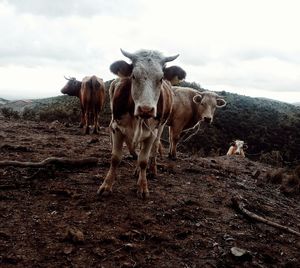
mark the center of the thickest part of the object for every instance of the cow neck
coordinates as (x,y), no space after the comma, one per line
(195,117)
(77,87)
(164,104)
(122,99)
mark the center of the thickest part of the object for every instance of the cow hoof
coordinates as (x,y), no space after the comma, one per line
(136,172)
(152,175)
(134,155)
(171,157)
(104,190)
(142,194)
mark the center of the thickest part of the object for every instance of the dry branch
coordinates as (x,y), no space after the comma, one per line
(52,161)
(240,206)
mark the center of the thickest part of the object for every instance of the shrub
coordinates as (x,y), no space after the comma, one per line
(30,114)
(9,113)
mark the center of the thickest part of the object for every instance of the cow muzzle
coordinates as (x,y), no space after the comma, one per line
(207,120)
(145,112)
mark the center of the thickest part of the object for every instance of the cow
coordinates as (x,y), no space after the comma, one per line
(91,92)
(190,107)
(237,148)
(141,101)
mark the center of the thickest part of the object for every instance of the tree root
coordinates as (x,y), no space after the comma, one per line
(240,206)
(52,161)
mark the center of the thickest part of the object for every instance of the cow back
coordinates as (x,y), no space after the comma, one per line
(92,93)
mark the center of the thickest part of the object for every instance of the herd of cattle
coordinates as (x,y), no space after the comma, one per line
(143,100)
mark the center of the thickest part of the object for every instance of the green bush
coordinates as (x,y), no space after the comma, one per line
(30,114)
(9,113)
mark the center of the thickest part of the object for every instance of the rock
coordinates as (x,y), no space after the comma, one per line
(255,174)
(93,140)
(238,252)
(129,246)
(241,253)
(55,124)
(68,249)
(127,265)
(74,235)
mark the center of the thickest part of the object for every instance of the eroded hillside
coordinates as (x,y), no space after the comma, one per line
(52,217)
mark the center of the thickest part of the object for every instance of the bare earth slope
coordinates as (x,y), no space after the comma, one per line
(51,217)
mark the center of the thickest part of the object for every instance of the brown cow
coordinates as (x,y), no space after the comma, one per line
(91,92)
(189,108)
(141,103)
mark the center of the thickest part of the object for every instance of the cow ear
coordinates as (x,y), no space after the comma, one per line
(221,103)
(121,68)
(174,74)
(197,98)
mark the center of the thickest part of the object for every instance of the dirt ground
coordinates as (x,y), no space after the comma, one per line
(52,217)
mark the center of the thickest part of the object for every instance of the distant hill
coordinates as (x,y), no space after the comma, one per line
(19,105)
(296,103)
(3,101)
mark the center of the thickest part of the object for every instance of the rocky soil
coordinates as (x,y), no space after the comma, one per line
(52,217)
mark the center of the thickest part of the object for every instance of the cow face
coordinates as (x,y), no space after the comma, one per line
(147,73)
(72,88)
(239,146)
(207,103)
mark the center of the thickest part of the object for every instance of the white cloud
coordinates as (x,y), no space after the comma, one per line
(250,46)
(86,8)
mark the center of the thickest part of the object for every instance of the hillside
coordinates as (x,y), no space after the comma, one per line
(270,128)
(51,216)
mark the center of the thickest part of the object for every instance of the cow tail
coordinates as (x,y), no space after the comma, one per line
(96,94)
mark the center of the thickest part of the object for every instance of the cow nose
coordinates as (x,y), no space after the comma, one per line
(145,111)
(207,119)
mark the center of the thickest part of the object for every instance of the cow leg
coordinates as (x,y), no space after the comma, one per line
(87,123)
(96,118)
(174,136)
(154,151)
(82,118)
(117,144)
(143,159)
(131,148)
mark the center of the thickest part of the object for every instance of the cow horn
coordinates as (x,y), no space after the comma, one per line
(171,58)
(127,54)
(67,78)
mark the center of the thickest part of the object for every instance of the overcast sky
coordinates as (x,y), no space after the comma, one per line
(246,47)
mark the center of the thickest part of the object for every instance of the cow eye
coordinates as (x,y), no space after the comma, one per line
(133,77)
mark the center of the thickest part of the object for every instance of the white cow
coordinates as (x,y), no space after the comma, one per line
(237,148)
